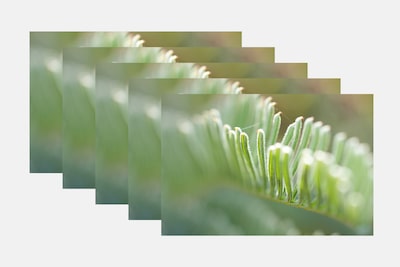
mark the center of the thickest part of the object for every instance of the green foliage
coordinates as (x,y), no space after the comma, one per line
(303,169)
(299,180)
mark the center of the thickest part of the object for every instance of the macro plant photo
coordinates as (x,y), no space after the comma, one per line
(46,84)
(244,165)
(207,136)
(144,177)
(111,157)
(78,83)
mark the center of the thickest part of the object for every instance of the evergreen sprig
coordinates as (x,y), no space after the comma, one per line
(302,169)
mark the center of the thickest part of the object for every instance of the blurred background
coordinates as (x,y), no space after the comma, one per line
(200,197)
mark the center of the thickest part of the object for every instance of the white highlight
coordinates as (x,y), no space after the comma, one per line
(87,80)
(53,64)
(153,112)
(185,127)
(120,96)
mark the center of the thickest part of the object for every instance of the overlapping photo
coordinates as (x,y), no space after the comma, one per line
(207,136)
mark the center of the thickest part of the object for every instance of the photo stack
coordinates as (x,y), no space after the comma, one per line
(201,133)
